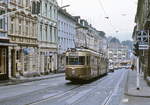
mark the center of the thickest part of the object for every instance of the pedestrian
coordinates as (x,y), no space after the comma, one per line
(132,67)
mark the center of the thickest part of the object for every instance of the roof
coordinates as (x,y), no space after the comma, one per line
(64,12)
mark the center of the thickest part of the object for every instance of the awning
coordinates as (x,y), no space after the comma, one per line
(7,44)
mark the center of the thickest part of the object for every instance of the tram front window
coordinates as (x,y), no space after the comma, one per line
(75,60)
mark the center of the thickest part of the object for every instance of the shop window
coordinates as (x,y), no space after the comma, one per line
(3,63)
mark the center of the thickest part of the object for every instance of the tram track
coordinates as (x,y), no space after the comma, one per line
(112,93)
(55,96)
(65,93)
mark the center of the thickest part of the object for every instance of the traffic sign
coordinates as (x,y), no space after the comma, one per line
(143,47)
(142,37)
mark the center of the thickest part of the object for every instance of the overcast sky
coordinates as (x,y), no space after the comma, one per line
(121,15)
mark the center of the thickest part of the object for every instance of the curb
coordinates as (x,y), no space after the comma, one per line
(13,82)
(134,95)
(129,94)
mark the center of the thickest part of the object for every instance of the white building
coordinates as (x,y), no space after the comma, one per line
(117,55)
(66,34)
(4,42)
(47,36)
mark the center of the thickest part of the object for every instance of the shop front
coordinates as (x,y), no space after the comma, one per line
(3,63)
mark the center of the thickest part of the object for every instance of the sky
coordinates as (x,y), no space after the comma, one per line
(121,15)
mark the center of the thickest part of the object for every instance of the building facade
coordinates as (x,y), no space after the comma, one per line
(66,35)
(4,41)
(117,56)
(22,31)
(87,36)
(81,29)
(142,21)
(47,36)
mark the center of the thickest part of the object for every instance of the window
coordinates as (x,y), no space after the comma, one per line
(51,33)
(27,3)
(46,33)
(88,60)
(12,26)
(54,13)
(33,29)
(55,34)
(3,60)
(20,27)
(1,23)
(27,28)
(46,9)
(41,32)
(75,60)
(50,11)
(20,2)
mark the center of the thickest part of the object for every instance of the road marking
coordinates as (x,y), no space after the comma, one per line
(114,92)
(26,84)
(43,84)
(125,100)
(78,96)
(50,95)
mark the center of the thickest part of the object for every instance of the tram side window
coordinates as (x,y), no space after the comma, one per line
(82,60)
(67,60)
(88,60)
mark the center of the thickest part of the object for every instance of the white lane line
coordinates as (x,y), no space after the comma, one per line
(26,84)
(125,100)
(50,95)
(78,96)
(43,84)
(114,92)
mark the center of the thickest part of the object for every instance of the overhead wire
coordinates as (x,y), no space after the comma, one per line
(106,16)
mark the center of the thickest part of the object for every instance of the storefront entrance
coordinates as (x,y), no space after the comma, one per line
(3,63)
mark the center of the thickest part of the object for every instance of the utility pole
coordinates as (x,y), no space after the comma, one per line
(138,74)
(136,53)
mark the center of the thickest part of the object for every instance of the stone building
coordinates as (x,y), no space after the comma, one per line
(87,36)
(81,29)
(47,36)
(142,20)
(22,31)
(66,35)
(4,42)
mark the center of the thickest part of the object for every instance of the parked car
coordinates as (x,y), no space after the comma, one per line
(111,68)
(116,67)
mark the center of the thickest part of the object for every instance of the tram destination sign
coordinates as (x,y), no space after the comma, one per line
(73,54)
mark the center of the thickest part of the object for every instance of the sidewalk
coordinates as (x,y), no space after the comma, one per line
(131,86)
(14,81)
(132,96)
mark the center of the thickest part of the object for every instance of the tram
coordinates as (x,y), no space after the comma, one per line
(85,64)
